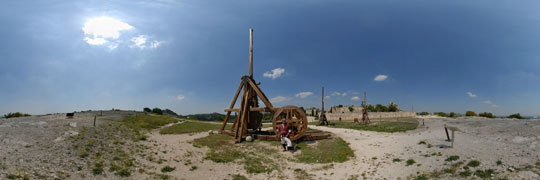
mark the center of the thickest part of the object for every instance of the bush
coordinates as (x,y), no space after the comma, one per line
(486,114)
(452,114)
(470,113)
(442,114)
(423,113)
(157,111)
(351,109)
(167,169)
(146,109)
(16,114)
(517,116)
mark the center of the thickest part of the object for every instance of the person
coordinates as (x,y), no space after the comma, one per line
(283,133)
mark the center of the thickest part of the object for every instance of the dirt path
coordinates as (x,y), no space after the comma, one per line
(478,140)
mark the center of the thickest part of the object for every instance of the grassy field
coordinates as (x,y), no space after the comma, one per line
(191,127)
(326,151)
(255,157)
(384,125)
(196,126)
(150,121)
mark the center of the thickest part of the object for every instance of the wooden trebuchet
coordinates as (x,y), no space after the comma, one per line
(365,116)
(249,113)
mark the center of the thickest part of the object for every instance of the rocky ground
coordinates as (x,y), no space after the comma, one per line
(56,147)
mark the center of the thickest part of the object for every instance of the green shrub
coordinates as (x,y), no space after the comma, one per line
(486,114)
(157,111)
(167,169)
(473,163)
(452,158)
(517,116)
(146,109)
(410,162)
(470,113)
(16,114)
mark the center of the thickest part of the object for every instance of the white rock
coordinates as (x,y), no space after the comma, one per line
(210,132)
(73,124)
(249,139)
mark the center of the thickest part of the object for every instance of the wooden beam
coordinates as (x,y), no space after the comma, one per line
(232,105)
(250,52)
(249,109)
(261,95)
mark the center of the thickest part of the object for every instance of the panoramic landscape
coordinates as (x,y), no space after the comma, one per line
(237,90)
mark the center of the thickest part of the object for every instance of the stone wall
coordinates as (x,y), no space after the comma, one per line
(372,115)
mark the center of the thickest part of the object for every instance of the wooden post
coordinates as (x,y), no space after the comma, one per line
(94,121)
(251,53)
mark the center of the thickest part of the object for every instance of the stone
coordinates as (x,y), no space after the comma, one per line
(249,139)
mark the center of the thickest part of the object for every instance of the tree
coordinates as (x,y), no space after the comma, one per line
(517,116)
(312,112)
(423,113)
(392,107)
(470,113)
(486,114)
(302,108)
(452,114)
(339,106)
(351,109)
(442,114)
(381,108)
(146,109)
(157,111)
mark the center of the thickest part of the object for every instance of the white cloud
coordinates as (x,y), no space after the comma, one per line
(113,46)
(355,98)
(335,93)
(155,44)
(344,94)
(99,29)
(139,42)
(327,97)
(180,98)
(304,94)
(275,73)
(471,94)
(380,77)
(95,41)
(278,99)
(487,102)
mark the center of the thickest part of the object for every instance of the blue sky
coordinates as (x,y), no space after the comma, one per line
(188,56)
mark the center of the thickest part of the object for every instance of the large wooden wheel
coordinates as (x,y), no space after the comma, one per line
(296,120)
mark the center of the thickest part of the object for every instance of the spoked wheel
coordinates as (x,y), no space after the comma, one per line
(296,120)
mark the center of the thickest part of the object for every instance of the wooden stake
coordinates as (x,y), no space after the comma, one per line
(94,121)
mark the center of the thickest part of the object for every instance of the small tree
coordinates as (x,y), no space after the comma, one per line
(146,109)
(517,116)
(392,107)
(470,113)
(452,114)
(312,112)
(486,114)
(423,113)
(157,111)
(351,109)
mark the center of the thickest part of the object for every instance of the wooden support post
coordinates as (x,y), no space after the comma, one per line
(447,136)
(95,121)
(251,53)
(232,105)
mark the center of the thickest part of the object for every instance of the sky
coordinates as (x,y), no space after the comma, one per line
(189,56)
